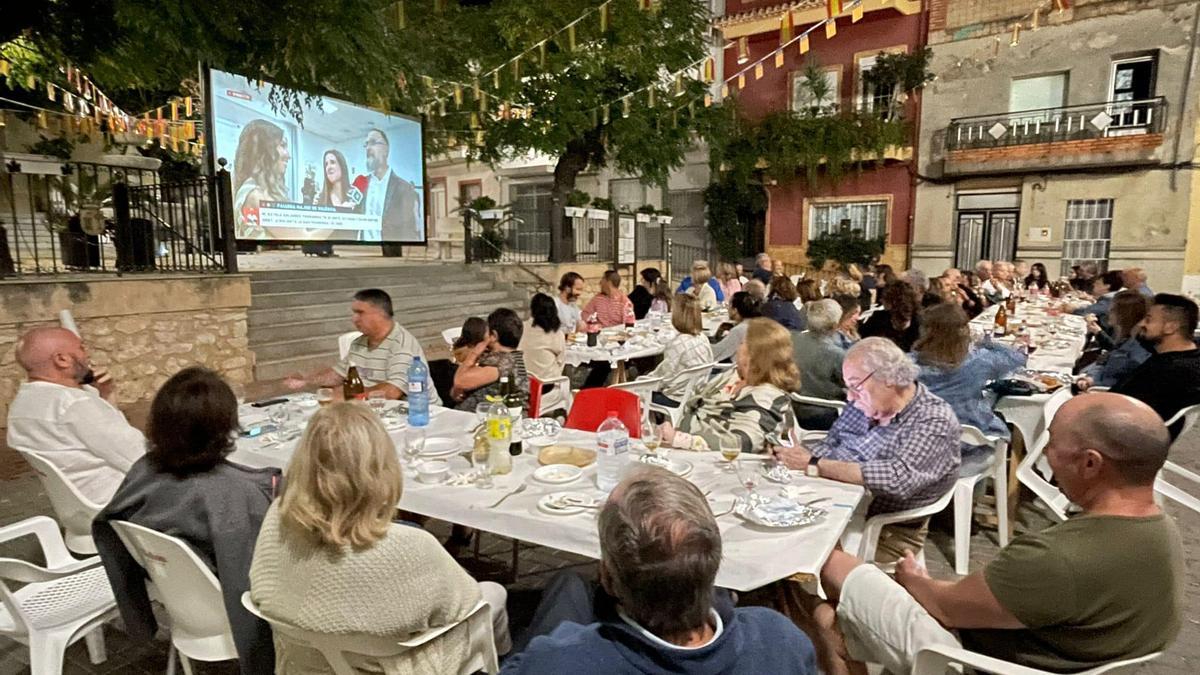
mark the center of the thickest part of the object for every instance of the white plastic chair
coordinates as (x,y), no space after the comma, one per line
(964,494)
(344,341)
(559,398)
(867,541)
(451,334)
(1190,415)
(60,603)
(1027,471)
(644,387)
(187,589)
(481,654)
(805,435)
(695,375)
(939,659)
(74,511)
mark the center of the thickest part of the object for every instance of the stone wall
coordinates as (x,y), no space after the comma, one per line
(142,329)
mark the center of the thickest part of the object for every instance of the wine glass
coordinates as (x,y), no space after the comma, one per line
(378,401)
(324,396)
(479,461)
(730,450)
(651,439)
(414,445)
(482,411)
(748,476)
(279,415)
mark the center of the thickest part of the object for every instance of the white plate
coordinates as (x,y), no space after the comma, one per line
(542,441)
(556,474)
(679,467)
(440,447)
(566,503)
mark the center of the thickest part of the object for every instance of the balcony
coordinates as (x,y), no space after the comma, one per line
(1094,135)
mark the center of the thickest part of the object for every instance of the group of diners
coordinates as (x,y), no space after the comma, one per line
(322,546)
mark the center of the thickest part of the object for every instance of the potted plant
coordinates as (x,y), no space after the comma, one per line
(577,203)
(664,216)
(644,212)
(601,207)
(845,246)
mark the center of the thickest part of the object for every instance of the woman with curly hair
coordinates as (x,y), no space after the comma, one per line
(259,168)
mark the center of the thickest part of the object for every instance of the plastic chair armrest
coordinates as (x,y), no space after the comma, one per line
(934,659)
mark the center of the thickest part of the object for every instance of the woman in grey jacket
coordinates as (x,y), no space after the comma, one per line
(184,487)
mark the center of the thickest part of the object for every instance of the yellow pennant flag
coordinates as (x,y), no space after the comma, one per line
(187,106)
(158,113)
(830,29)
(542,53)
(496,78)
(604,18)
(856,13)
(758,71)
(441,107)
(4,67)
(725,91)
(625,107)
(571,37)
(708,100)
(604,115)
(30,82)
(516,67)
(41,120)
(710,69)
(479,137)
(474,120)
(779,59)
(679,84)
(742,81)
(476,90)
(458,95)
(483,101)
(804,47)
(174,110)
(650,97)
(49,91)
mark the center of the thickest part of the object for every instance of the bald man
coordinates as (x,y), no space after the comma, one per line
(67,422)
(1103,586)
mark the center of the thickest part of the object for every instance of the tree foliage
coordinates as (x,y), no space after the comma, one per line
(846,246)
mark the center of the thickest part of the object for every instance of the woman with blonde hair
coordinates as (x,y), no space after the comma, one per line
(728,277)
(688,349)
(701,289)
(329,558)
(747,406)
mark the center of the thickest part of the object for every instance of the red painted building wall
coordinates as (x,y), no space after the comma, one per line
(877,31)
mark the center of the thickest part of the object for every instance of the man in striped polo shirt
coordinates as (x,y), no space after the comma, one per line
(382,353)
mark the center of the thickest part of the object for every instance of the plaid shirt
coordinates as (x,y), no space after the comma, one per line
(908,463)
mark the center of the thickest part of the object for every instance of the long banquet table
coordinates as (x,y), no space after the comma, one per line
(753,556)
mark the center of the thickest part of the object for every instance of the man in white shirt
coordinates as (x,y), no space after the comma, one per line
(394,200)
(570,287)
(999,287)
(73,425)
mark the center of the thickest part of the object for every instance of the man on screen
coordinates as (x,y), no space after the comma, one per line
(387,195)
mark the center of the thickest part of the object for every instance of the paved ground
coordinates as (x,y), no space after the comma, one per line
(23,497)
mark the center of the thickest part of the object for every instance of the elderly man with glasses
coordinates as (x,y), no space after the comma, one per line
(895,438)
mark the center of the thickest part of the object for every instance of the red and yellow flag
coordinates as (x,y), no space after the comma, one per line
(833,8)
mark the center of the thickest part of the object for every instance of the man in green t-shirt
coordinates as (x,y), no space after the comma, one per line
(1103,586)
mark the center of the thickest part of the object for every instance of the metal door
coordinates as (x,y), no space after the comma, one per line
(985,235)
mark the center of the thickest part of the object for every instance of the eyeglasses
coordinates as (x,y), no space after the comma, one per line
(368,144)
(858,387)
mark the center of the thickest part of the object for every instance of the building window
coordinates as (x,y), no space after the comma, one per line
(627,193)
(469,191)
(868,217)
(1087,233)
(872,97)
(805,101)
(1038,92)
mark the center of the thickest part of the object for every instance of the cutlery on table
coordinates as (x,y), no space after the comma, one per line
(518,491)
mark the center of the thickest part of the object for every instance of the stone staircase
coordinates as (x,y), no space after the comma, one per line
(296,316)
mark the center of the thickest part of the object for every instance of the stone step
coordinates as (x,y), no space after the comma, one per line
(403,270)
(319,281)
(408,309)
(403,295)
(441,317)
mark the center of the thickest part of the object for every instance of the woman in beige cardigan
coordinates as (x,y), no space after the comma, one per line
(329,558)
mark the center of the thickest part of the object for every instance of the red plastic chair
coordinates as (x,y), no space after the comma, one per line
(535,397)
(591,407)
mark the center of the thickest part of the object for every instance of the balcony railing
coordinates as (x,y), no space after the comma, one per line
(1055,125)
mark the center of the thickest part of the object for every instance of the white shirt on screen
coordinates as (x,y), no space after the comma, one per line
(88,439)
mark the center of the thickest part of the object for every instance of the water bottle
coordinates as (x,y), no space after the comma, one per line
(612,452)
(418,393)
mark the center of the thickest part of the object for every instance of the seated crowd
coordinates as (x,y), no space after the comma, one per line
(322,547)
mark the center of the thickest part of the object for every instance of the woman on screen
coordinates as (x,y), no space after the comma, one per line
(336,190)
(260,166)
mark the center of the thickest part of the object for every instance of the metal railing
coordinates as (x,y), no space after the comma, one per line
(678,259)
(78,217)
(1053,125)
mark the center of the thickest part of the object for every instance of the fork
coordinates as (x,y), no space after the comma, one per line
(518,491)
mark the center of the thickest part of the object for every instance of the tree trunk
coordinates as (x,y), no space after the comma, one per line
(587,149)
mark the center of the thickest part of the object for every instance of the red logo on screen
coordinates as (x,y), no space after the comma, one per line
(238,94)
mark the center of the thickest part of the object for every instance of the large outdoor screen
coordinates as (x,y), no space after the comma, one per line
(344,174)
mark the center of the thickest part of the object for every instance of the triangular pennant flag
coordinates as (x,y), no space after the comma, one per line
(804,46)
(830,29)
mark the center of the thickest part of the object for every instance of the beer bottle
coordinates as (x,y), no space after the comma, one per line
(352,385)
(1001,327)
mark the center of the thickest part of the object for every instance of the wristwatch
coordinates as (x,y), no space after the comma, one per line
(813,470)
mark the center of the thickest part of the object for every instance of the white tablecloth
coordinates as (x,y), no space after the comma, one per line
(1025,412)
(753,557)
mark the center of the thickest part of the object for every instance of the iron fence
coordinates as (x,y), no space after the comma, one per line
(73,217)
(679,258)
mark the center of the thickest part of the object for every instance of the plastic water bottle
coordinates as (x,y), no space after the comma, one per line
(612,452)
(418,393)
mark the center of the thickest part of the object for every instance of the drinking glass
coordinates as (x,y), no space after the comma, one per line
(482,410)
(730,449)
(651,439)
(279,415)
(414,446)
(378,401)
(748,476)
(479,460)
(324,396)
